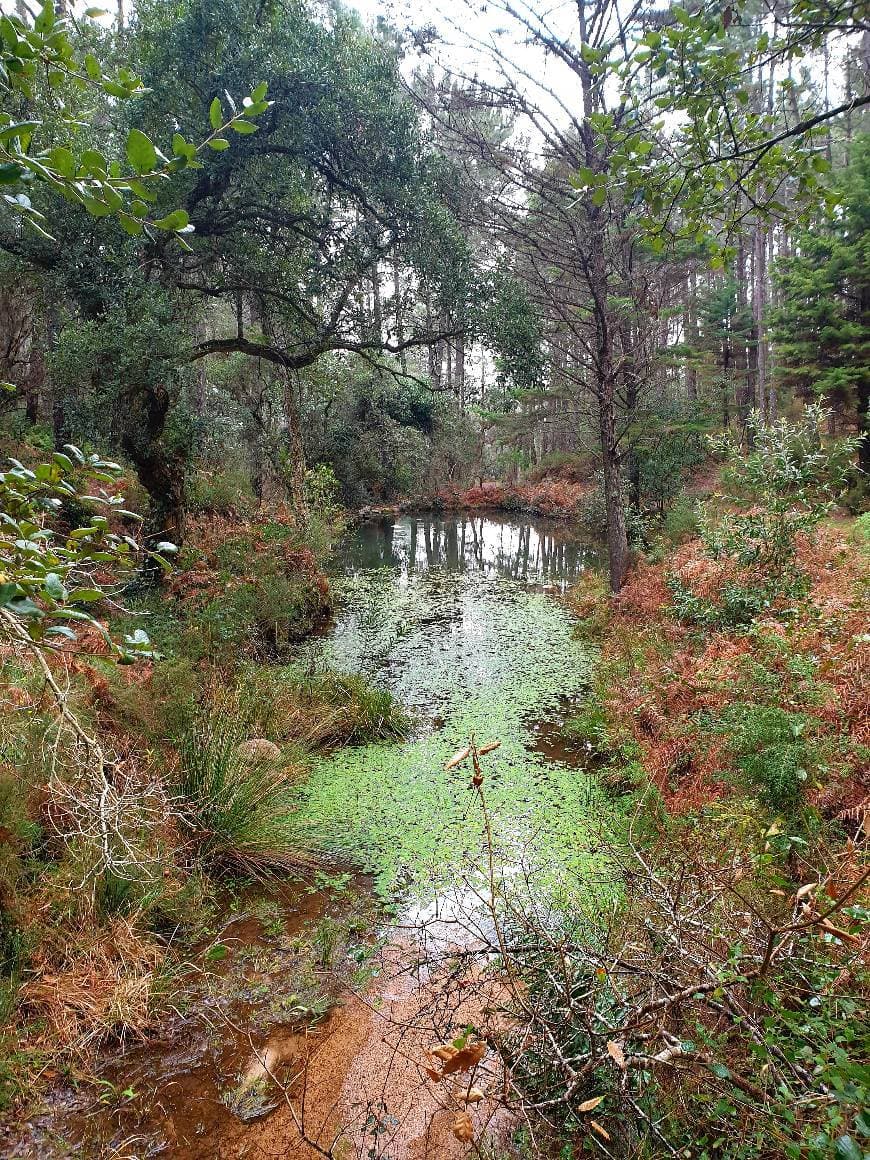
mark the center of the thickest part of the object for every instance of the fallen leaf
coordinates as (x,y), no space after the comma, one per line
(463,1128)
(465,1059)
(458,757)
(806,889)
(616,1054)
(444,1051)
(596,1127)
(488,748)
(472,1096)
(590,1105)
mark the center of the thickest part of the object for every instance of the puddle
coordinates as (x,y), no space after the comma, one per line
(265,989)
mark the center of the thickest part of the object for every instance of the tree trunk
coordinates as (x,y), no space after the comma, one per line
(400,315)
(759,291)
(460,372)
(690,333)
(294,475)
(617,536)
(161,471)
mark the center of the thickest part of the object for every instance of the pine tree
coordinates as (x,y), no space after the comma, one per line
(822,326)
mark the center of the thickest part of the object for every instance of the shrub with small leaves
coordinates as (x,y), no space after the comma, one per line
(51,578)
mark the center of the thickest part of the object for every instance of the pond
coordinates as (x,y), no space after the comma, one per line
(460,618)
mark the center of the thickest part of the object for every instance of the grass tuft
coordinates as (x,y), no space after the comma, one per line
(241,808)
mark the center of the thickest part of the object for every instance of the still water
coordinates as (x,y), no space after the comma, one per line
(460,618)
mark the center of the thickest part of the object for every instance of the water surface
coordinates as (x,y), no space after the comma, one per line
(460,618)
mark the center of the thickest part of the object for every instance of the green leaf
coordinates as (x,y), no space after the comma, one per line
(244,127)
(53,585)
(8,592)
(216,113)
(140,152)
(846,1149)
(45,20)
(92,67)
(176,220)
(140,189)
(86,595)
(61,630)
(18,129)
(219,144)
(96,208)
(259,92)
(94,162)
(25,607)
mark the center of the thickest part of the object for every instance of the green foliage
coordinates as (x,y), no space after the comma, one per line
(48,47)
(716,144)
(240,808)
(50,578)
(771,751)
(791,477)
(371,431)
(785,484)
(667,444)
(326,520)
(589,726)
(822,325)
(681,520)
(266,612)
(354,710)
(221,493)
(735,606)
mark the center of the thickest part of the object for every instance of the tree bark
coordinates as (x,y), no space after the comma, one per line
(294,475)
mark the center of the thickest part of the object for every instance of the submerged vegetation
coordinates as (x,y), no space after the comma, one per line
(433,580)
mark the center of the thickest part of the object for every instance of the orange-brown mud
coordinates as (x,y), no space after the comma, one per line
(240,1074)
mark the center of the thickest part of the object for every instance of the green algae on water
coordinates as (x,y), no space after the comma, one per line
(469,653)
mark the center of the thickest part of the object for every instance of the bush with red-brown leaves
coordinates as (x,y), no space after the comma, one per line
(666,685)
(558,498)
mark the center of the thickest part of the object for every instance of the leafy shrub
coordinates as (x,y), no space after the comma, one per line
(770,750)
(223,493)
(268,611)
(589,726)
(239,808)
(681,521)
(669,444)
(326,520)
(861,530)
(591,511)
(737,606)
(791,478)
(323,708)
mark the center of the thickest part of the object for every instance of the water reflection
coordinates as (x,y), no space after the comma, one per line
(532,552)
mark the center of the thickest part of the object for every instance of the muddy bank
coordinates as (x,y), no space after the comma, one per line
(288,1044)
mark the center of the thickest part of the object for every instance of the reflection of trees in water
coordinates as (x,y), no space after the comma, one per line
(520,550)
